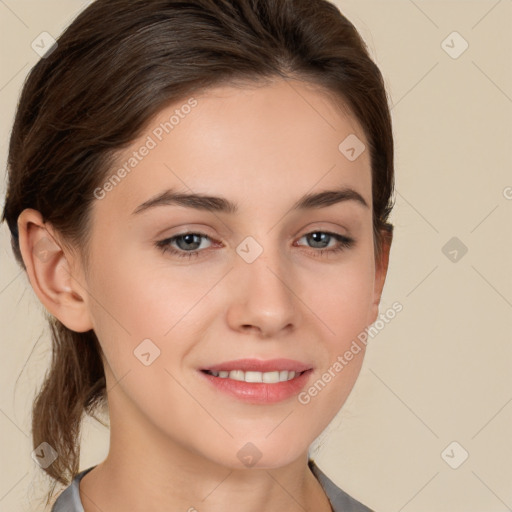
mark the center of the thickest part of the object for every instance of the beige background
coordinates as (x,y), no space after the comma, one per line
(440,371)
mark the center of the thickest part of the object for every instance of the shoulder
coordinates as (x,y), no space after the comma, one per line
(69,499)
(340,500)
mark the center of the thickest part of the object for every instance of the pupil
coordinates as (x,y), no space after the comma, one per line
(319,236)
(189,239)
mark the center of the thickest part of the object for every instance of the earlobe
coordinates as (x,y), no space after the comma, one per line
(50,272)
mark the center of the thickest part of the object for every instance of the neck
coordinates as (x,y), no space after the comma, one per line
(117,484)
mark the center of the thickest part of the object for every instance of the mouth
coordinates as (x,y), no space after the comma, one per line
(258,381)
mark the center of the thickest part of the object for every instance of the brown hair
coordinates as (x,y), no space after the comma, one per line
(115,67)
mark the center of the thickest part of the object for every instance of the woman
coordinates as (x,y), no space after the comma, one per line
(199,194)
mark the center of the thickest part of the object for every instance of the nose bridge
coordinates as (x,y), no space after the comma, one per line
(265,299)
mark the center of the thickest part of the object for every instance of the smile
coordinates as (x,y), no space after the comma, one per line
(258,381)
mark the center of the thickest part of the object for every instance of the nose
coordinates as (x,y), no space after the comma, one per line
(263,300)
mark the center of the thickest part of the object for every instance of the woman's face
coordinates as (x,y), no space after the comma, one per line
(255,278)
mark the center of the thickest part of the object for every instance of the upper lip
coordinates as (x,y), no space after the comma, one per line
(259,365)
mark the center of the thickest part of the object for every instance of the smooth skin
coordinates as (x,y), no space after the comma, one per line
(174,438)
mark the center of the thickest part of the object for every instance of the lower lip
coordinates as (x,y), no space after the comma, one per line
(259,392)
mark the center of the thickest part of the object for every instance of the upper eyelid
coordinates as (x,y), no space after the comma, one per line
(340,225)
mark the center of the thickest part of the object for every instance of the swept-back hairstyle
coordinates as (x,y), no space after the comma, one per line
(115,67)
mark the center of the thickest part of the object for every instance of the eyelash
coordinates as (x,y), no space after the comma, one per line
(344,242)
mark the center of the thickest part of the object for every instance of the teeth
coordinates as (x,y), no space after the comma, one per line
(253,377)
(237,375)
(272,377)
(265,377)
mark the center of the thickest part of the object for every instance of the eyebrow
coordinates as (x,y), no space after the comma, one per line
(223,205)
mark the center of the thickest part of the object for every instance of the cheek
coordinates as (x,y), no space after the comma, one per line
(140,301)
(341,298)
(342,301)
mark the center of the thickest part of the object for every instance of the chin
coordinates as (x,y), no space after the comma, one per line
(261,452)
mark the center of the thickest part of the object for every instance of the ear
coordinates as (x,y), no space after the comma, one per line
(381,269)
(49,270)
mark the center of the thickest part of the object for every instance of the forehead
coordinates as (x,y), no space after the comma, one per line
(245,141)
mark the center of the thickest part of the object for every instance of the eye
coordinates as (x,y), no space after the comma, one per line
(322,239)
(188,244)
